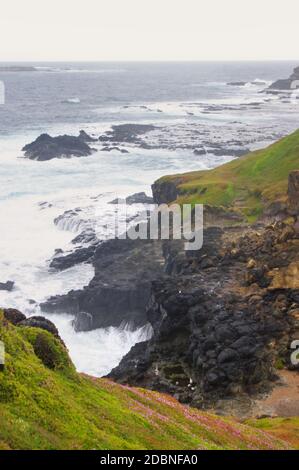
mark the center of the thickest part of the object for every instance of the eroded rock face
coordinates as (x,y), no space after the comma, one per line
(120,289)
(83,322)
(220,327)
(293,192)
(164,192)
(46,147)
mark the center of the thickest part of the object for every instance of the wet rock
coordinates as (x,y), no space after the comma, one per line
(83,322)
(120,290)
(86,137)
(9,285)
(46,147)
(110,149)
(236,83)
(137,198)
(127,133)
(285,84)
(81,255)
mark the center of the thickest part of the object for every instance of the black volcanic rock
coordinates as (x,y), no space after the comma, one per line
(165,192)
(137,198)
(9,285)
(86,137)
(120,290)
(212,341)
(13,315)
(40,322)
(127,133)
(83,322)
(286,84)
(81,255)
(236,83)
(46,147)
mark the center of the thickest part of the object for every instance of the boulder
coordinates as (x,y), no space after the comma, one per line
(13,315)
(40,322)
(9,285)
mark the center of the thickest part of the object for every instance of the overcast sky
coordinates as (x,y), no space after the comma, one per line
(148,30)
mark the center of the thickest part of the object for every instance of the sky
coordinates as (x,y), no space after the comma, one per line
(94,30)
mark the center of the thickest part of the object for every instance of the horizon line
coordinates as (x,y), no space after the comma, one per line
(146,60)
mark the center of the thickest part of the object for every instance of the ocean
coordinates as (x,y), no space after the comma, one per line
(192,106)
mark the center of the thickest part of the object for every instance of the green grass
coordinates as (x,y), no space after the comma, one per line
(282,428)
(247,184)
(46,404)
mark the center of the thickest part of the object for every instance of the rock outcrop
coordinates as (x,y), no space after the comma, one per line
(9,285)
(46,147)
(137,198)
(286,84)
(127,133)
(40,322)
(120,290)
(17,318)
(165,192)
(13,315)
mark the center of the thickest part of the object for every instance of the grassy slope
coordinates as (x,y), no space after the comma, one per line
(247,183)
(56,408)
(282,428)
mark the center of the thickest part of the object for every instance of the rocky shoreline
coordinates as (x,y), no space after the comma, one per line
(223,318)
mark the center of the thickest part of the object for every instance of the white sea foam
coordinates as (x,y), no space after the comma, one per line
(97,352)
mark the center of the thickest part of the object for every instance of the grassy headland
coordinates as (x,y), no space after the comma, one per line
(247,184)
